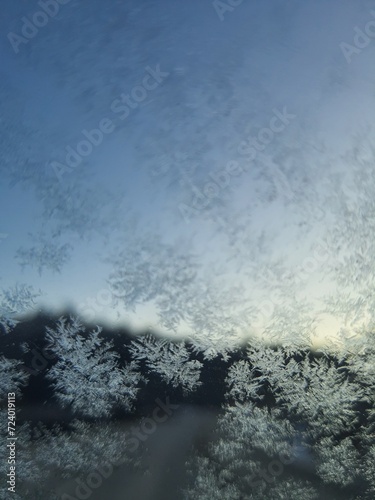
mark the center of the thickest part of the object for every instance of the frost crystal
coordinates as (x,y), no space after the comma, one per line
(169,360)
(87,375)
(14,302)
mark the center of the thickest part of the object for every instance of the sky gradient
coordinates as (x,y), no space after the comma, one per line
(225,183)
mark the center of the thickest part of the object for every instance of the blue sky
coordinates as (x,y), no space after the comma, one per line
(230,190)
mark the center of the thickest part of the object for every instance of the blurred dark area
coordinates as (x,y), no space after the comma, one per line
(165,454)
